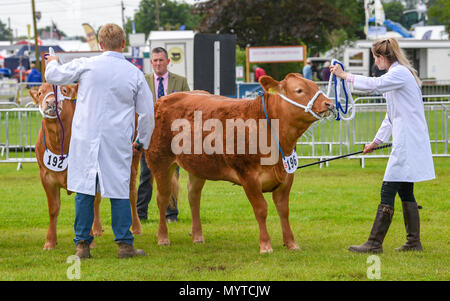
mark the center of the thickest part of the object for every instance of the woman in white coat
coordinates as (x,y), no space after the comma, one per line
(411,159)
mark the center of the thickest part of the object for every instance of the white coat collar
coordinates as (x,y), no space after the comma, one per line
(114,54)
(394,64)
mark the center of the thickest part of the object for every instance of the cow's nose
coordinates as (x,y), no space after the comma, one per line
(329,105)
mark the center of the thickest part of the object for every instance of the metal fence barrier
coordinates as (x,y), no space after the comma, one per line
(20,125)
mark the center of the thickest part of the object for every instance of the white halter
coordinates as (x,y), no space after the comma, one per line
(308,107)
(60,96)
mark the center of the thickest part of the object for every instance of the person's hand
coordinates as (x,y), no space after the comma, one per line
(137,147)
(368,148)
(49,58)
(337,70)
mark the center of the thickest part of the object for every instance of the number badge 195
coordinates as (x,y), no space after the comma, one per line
(55,162)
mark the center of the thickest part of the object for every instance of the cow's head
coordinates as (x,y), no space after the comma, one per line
(296,89)
(45,98)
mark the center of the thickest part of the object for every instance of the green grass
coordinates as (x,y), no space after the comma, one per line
(330,209)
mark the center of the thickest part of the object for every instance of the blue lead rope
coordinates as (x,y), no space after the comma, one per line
(338,103)
(267,118)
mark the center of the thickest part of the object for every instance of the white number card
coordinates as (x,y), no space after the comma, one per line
(291,163)
(55,162)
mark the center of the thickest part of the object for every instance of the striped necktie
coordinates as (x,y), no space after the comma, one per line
(160,87)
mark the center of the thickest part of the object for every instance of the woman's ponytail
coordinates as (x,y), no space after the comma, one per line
(390,49)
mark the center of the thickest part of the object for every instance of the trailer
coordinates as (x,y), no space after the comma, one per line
(430,58)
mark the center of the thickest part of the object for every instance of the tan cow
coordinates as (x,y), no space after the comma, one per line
(48,150)
(243,169)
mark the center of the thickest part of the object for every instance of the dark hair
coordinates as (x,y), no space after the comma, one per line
(159,50)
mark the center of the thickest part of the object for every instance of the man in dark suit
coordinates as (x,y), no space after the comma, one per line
(161,82)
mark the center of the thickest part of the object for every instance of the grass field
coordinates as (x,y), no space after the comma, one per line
(330,209)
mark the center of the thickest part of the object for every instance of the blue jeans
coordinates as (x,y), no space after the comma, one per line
(84,218)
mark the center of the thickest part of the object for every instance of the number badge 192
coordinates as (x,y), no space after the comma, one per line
(55,162)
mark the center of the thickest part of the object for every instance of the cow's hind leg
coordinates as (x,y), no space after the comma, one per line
(136,226)
(163,177)
(97,229)
(195,186)
(54,202)
(253,190)
(281,199)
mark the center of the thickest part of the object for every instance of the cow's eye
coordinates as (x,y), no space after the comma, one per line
(64,90)
(39,94)
(298,90)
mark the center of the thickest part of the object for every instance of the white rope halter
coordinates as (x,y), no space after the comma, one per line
(60,96)
(308,107)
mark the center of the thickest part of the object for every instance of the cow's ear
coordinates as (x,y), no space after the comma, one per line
(75,87)
(269,84)
(34,95)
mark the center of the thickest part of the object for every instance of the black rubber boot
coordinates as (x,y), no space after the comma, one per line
(412,226)
(380,227)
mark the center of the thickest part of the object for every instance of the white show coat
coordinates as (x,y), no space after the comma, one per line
(110,90)
(411,159)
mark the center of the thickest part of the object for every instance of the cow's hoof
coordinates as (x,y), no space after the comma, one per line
(199,240)
(137,231)
(49,246)
(266,251)
(164,242)
(97,230)
(293,246)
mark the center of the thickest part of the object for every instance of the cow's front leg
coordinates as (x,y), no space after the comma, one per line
(53,200)
(195,186)
(253,190)
(280,197)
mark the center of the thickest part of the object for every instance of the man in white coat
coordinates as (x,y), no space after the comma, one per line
(411,158)
(101,148)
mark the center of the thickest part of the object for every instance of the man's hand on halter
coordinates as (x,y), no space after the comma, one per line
(50,58)
(137,147)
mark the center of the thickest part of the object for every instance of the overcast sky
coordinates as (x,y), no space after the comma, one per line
(68,15)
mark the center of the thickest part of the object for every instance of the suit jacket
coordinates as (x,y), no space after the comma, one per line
(176,83)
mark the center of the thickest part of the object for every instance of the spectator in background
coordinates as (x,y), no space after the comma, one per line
(326,71)
(307,70)
(161,82)
(258,72)
(34,76)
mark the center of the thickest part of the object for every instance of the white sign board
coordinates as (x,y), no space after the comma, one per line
(137,39)
(279,54)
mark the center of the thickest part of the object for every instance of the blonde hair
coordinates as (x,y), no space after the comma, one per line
(390,49)
(111,36)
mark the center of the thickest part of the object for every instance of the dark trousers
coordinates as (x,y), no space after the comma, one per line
(145,191)
(390,189)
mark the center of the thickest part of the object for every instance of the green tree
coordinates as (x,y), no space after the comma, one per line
(171,16)
(4,32)
(393,11)
(353,12)
(440,9)
(261,22)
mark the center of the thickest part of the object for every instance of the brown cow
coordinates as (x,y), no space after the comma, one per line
(243,169)
(54,180)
